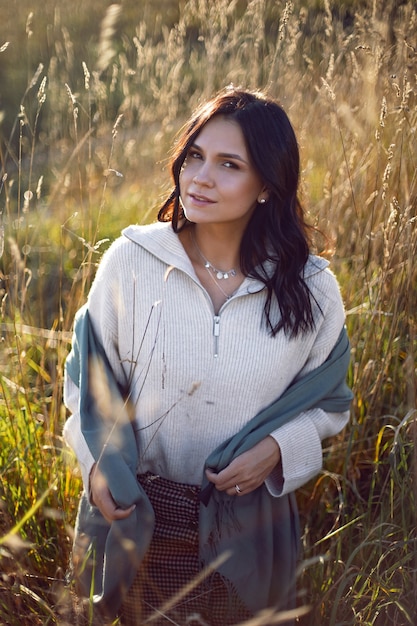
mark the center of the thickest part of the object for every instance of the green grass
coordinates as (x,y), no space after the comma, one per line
(88,117)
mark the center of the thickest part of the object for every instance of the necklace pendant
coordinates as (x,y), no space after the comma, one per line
(220,275)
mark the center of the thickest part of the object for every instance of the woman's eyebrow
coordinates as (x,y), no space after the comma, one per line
(223,155)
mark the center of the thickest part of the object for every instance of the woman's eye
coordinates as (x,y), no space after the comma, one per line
(191,156)
(194,155)
(230,165)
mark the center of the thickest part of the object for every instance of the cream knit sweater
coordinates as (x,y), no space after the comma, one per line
(196,378)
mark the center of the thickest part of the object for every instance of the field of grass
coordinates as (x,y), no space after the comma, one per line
(91,95)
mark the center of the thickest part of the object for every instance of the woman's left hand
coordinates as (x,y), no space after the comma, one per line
(249,470)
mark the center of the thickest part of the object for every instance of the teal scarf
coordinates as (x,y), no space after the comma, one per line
(260,531)
(106,565)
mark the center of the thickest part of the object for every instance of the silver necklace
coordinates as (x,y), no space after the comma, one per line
(219,274)
(218,285)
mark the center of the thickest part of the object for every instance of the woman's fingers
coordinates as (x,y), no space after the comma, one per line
(249,470)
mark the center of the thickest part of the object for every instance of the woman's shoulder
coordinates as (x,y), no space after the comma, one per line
(315,265)
(135,252)
(318,274)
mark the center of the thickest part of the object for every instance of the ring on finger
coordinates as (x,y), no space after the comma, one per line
(238,489)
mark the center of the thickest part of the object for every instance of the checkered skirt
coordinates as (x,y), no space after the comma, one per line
(172,563)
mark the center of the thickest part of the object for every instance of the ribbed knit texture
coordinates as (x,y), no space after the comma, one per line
(190,389)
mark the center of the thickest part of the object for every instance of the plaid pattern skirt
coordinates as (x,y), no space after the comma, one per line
(165,590)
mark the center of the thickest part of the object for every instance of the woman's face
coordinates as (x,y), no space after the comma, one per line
(218,184)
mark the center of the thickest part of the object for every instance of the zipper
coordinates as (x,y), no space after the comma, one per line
(216,318)
(216,333)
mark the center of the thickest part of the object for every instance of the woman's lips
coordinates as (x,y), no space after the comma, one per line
(198,198)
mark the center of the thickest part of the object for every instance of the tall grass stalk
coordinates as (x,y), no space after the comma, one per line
(84,154)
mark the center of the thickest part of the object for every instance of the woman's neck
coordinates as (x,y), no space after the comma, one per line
(215,259)
(219,246)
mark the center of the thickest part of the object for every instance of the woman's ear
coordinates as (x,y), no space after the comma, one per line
(263,196)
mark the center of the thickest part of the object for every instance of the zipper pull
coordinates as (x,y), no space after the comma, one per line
(216,333)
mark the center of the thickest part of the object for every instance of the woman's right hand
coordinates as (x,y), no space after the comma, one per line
(101,497)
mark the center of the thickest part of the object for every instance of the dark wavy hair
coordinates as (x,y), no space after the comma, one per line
(276,243)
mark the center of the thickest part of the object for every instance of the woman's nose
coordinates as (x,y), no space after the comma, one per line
(203,176)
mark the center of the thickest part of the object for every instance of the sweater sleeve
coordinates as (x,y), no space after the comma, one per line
(73,435)
(102,305)
(300,440)
(301,450)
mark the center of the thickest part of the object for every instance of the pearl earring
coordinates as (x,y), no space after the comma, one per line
(262,201)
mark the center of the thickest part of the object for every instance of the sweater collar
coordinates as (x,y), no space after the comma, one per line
(160,240)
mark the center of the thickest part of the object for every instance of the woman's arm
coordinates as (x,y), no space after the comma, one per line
(300,442)
(72,431)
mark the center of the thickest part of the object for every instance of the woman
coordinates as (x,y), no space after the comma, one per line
(223,357)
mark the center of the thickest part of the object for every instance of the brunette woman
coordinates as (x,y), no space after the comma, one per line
(223,359)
